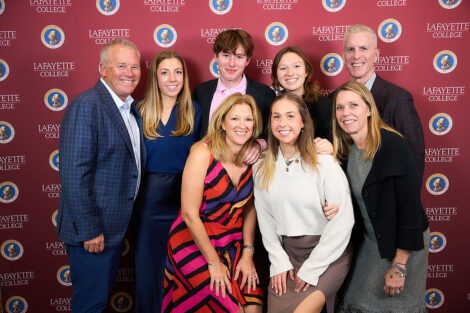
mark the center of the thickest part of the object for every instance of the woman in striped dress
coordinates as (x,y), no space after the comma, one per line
(210,251)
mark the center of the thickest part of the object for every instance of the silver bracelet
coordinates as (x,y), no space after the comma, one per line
(214,264)
(249,247)
(401,268)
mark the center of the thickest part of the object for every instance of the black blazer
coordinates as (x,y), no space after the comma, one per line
(391,193)
(397,109)
(320,112)
(204,92)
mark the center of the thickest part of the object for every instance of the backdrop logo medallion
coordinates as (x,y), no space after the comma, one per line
(121,302)
(52,36)
(437,242)
(220,7)
(165,35)
(214,68)
(55,217)
(445,61)
(333,5)
(56,100)
(440,124)
(449,4)
(434,298)
(437,184)
(331,64)
(4,70)
(125,247)
(8,192)
(12,250)
(2,6)
(276,34)
(107,7)
(54,160)
(16,304)
(389,30)
(7,132)
(63,276)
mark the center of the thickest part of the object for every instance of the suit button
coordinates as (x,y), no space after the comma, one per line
(378,236)
(372,215)
(131,198)
(134,176)
(365,194)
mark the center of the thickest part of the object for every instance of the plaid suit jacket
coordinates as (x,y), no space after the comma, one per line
(98,172)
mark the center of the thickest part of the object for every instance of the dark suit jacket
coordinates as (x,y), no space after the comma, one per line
(397,109)
(98,172)
(391,194)
(263,95)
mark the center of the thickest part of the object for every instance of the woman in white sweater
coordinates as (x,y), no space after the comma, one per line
(310,256)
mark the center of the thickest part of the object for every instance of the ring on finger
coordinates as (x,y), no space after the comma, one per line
(217,282)
(254,278)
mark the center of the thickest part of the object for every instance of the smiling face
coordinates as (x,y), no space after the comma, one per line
(238,126)
(360,54)
(232,66)
(170,78)
(352,115)
(286,122)
(122,70)
(291,73)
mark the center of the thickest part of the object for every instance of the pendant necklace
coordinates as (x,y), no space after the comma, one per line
(289,161)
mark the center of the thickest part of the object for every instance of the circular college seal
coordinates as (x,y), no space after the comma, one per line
(54,160)
(437,242)
(4,70)
(7,132)
(214,68)
(63,276)
(165,35)
(440,124)
(389,30)
(333,5)
(12,250)
(8,192)
(54,218)
(52,36)
(107,7)
(2,6)
(276,33)
(449,4)
(331,64)
(121,302)
(437,184)
(220,7)
(125,247)
(56,100)
(434,298)
(16,304)
(445,61)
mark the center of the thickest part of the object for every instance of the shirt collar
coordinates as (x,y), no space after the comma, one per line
(119,103)
(221,87)
(371,81)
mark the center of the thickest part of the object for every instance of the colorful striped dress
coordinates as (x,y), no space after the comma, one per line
(187,279)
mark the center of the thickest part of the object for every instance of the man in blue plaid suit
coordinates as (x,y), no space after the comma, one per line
(102,155)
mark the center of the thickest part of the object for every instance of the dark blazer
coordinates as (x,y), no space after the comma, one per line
(97,169)
(397,109)
(391,193)
(204,92)
(320,112)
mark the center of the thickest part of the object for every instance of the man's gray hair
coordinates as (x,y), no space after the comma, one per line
(116,42)
(359,28)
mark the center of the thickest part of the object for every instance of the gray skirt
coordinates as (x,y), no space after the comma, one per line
(298,249)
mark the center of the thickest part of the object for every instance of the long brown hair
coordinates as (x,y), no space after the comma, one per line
(216,135)
(266,168)
(151,105)
(342,141)
(311,89)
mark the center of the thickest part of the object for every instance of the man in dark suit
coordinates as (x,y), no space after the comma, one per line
(102,155)
(394,103)
(232,51)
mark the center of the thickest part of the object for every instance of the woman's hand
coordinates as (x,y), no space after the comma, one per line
(300,285)
(247,268)
(220,279)
(279,282)
(252,154)
(330,211)
(394,284)
(323,146)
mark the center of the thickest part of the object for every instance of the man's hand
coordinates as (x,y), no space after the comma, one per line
(323,146)
(95,245)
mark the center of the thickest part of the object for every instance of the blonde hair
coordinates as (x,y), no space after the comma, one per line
(216,135)
(151,105)
(266,169)
(359,28)
(342,141)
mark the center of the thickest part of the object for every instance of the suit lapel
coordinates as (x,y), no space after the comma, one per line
(206,105)
(143,150)
(114,114)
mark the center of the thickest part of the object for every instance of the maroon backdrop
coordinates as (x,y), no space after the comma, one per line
(50,50)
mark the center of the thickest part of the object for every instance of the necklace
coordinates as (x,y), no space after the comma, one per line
(289,161)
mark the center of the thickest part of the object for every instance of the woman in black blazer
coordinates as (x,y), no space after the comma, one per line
(391,232)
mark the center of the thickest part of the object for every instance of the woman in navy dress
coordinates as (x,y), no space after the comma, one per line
(170,125)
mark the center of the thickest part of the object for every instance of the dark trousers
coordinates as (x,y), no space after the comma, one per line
(93,276)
